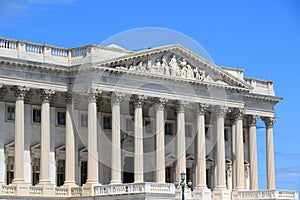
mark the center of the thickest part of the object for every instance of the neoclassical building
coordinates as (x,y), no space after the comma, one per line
(109,123)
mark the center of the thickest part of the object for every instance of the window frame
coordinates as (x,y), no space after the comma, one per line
(106,115)
(60,110)
(172,127)
(32,113)
(7,105)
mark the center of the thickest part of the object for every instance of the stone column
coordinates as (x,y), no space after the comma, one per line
(138,139)
(200,148)
(233,152)
(45,137)
(240,172)
(92,178)
(160,140)
(180,140)
(116,168)
(269,121)
(70,143)
(19,93)
(253,152)
(220,113)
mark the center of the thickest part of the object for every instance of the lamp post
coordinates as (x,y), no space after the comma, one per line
(182,184)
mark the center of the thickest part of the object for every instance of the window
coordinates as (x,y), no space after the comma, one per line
(35,171)
(207,132)
(60,172)
(188,130)
(36,115)
(83,169)
(10,113)
(147,126)
(129,124)
(169,128)
(189,174)
(61,118)
(106,120)
(169,175)
(9,170)
(226,134)
(83,120)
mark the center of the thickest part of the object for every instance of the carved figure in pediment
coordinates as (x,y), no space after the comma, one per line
(183,72)
(189,72)
(159,67)
(132,68)
(199,74)
(183,63)
(165,66)
(174,69)
(139,67)
(149,67)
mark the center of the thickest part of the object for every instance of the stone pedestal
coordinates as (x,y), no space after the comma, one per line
(202,193)
(48,190)
(221,194)
(88,189)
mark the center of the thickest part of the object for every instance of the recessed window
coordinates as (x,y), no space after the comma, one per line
(169,128)
(106,122)
(147,126)
(10,113)
(226,134)
(129,124)
(35,171)
(60,172)
(61,118)
(169,175)
(207,132)
(188,130)
(9,170)
(36,115)
(83,120)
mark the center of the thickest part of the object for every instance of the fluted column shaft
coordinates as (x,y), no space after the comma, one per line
(270,152)
(220,149)
(240,169)
(45,137)
(233,152)
(70,144)
(116,140)
(92,140)
(160,141)
(19,93)
(253,153)
(201,151)
(180,140)
(138,141)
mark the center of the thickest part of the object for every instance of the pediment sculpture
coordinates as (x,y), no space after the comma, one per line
(172,67)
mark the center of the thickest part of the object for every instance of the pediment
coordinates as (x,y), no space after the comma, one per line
(176,62)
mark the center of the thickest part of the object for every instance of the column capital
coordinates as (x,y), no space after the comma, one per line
(269,121)
(237,113)
(46,95)
(180,105)
(138,100)
(93,94)
(117,97)
(160,103)
(20,92)
(3,91)
(219,111)
(201,108)
(252,119)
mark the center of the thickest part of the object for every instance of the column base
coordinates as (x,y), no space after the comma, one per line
(221,194)
(88,189)
(202,193)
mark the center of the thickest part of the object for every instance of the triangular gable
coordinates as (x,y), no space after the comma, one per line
(177,62)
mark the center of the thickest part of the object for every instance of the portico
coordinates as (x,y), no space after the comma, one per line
(144,105)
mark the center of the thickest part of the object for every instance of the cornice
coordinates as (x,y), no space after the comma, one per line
(264,98)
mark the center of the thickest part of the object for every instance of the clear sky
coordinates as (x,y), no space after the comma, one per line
(261,37)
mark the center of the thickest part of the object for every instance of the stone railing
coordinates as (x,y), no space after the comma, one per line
(8,190)
(61,192)
(35,191)
(261,86)
(134,188)
(268,194)
(29,51)
(76,191)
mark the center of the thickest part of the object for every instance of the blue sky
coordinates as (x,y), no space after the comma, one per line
(261,37)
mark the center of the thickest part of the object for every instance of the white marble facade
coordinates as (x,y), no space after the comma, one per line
(102,121)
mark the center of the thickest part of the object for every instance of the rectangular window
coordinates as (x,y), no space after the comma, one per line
(83,120)
(83,172)
(10,113)
(60,172)
(169,175)
(129,124)
(188,130)
(61,118)
(35,171)
(169,128)
(147,126)
(9,170)
(207,132)
(36,115)
(106,120)
(189,174)
(226,134)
